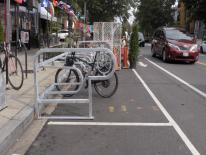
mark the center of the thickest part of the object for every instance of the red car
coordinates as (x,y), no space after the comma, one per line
(173,44)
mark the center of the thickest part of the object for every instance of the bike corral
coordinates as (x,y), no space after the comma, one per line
(52,95)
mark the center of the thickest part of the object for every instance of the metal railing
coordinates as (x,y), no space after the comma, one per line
(56,62)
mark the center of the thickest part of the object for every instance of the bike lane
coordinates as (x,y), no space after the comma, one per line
(130,122)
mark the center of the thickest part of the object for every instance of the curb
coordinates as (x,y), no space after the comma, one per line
(15,128)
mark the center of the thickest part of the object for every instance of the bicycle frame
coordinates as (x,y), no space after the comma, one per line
(41,97)
(5,61)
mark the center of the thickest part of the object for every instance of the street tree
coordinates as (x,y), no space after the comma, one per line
(1,33)
(196,9)
(105,10)
(134,47)
(152,14)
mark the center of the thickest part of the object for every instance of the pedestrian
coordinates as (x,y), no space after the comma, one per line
(124,42)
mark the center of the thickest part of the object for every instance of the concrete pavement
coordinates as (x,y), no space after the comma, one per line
(19,113)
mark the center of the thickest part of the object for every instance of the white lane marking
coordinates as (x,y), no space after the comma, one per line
(107,124)
(202,55)
(201,63)
(142,64)
(148,44)
(179,79)
(170,119)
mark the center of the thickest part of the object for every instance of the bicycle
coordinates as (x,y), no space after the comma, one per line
(97,65)
(12,66)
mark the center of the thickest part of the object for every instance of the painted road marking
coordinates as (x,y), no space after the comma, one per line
(202,55)
(201,63)
(111,108)
(107,124)
(123,108)
(139,108)
(142,64)
(179,79)
(185,139)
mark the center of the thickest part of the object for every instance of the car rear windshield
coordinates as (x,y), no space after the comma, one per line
(177,35)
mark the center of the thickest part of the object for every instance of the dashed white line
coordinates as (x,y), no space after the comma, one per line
(142,64)
(108,124)
(179,79)
(185,139)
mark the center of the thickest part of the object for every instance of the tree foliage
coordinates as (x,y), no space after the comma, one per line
(196,8)
(1,33)
(105,10)
(134,47)
(154,13)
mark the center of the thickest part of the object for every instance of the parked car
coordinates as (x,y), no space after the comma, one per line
(173,44)
(203,45)
(141,39)
(62,34)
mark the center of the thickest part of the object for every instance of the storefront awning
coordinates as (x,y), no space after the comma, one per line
(44,14)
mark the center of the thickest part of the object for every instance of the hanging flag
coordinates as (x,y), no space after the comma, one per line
(91,28)
(18,1)
(44,3)
(85,28)
(67,8)
(55,3)
(51,8)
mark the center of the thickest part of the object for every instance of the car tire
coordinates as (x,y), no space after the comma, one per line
(153,52)
(201,49)
(164,56)
(143,44)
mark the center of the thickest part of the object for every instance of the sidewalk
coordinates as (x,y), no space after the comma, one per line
(19,113)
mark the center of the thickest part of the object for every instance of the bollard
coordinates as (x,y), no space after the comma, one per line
(124,54)
(125,60)
(117,66)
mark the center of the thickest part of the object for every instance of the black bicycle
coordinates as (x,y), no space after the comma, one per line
(105,88)
(12,66)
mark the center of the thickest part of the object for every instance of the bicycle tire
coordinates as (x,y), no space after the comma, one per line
(66,79)
(15,74)
(104,85)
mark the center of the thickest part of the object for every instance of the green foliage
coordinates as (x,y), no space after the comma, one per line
(154,13)
(1,33)
(105,10)
(196,9)
(134,47)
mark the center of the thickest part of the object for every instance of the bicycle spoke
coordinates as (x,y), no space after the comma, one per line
(15,72)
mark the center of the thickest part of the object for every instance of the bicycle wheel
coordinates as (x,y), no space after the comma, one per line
(104,63)
(15,72)
(66,76)
(107,88)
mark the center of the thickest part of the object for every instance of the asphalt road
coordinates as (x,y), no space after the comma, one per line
(159,109)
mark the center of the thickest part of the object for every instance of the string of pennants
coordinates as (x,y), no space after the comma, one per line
(68,9)
(83,27)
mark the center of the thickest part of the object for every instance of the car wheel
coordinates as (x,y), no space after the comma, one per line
(201,50)
(164,56)
(143,44)
(153,52)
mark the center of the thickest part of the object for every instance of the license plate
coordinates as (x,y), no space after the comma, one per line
(185,54)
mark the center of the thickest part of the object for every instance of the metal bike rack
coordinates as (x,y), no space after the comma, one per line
(95,44)
(42,97)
